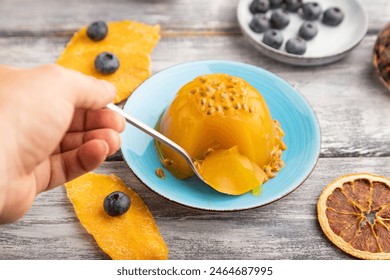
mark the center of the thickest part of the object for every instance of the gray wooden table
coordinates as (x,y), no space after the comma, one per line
(351,105)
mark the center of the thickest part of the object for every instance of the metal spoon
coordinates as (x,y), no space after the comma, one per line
(156,135)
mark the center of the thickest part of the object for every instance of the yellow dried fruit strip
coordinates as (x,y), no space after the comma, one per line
(133,235)
(132,42)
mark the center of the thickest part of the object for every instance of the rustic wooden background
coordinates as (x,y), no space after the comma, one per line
(351,105)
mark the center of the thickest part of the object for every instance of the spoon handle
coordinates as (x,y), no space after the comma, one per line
(155,134)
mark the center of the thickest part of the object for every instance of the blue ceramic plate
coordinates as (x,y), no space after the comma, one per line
(150,99)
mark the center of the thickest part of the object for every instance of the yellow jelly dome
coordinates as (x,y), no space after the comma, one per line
(225,125)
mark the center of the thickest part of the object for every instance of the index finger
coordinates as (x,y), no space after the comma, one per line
(83,91)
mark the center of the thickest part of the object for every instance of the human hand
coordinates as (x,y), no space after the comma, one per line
(53,129)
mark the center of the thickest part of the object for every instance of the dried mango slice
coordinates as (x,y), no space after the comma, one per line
(353,212)
(133,235)
(132,42)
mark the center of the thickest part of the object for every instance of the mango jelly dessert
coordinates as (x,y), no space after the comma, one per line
(225,125)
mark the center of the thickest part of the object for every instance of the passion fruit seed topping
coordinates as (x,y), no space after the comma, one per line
(168,162)
(160,173)
(209,150)
(198,164)
(234,81)
(233,91)
(210,111)
(219,95)
(210,89)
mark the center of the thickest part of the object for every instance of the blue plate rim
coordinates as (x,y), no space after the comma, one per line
(242,64)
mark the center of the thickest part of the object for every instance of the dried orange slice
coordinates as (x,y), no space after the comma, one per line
(132,42)
(133,235)
(354,213)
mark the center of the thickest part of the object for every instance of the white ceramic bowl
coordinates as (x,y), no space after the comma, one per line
(330,44)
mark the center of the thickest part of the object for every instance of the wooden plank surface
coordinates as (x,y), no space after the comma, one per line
(350,103)
(286,229)
(20,17)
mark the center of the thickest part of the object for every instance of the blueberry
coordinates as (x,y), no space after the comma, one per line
(273,38)
(333,16)
(308,30)
(106,63)
(279,19)
(311,10)
(296,46)
(259,23)
(293,5)
(259,6)
(276,3)
(116,203)
(97,31)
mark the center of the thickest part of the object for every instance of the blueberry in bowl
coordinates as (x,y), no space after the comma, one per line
(273,38)
(276,3)
(333,16)
(296,46)
(311,10)
(259,23)
(308,30)
(293,5)
(279,19)
(259,6)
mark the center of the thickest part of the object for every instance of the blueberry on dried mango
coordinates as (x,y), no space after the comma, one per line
(97,31)
(106,63)
(116,203)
